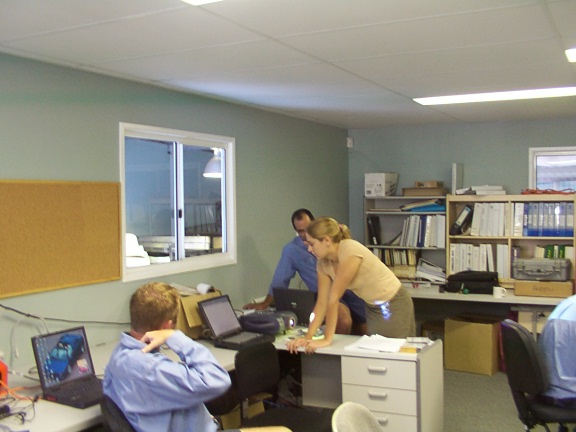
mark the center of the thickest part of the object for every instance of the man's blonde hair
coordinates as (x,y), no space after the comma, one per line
(152,305)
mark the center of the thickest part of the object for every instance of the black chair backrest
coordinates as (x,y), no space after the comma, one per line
(257,369)
(113,417)
(525,366)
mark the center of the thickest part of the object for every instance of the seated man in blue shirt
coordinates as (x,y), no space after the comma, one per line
(155,393)
(558,343)
(296,258)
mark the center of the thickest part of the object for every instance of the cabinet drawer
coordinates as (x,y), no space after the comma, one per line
(379,372)
(382,399)
(396,422)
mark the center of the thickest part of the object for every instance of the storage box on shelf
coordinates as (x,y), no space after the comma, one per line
(506,227)
(403,229)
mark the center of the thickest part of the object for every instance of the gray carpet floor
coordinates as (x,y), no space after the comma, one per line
(480,403)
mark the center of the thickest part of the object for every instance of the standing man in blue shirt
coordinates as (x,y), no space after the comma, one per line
(296,258)
(155,393)
(558,343)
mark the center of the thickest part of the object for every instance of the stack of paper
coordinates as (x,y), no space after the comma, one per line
(377,343)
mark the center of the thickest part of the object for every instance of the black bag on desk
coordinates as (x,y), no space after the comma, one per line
(472,282)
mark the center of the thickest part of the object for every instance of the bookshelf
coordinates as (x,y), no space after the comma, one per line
(400,237)
(504,227)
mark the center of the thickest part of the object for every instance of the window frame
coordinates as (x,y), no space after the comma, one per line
(535,152)
(195,263)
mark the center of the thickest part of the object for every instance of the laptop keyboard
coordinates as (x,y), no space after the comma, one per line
(76,389)
(241,337)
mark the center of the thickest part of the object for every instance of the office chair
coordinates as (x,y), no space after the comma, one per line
(113,418)
(354,417)
(528,378)
(257,370)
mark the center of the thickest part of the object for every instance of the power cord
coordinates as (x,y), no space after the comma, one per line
(14,349)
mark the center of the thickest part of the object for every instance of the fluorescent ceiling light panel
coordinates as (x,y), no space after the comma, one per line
(498,96)
(200,2)
(571,54)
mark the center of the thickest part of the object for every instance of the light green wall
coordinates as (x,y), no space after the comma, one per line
(62,124)
(491,153)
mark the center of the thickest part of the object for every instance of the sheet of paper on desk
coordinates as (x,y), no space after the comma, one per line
(377,343)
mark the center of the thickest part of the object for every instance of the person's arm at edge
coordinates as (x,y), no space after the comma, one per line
(346,272)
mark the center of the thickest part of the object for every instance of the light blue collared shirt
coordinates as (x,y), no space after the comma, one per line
(558,343)
(159,395)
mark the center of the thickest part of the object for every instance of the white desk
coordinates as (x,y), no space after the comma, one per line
(534,305)
(412,384)
(404,391)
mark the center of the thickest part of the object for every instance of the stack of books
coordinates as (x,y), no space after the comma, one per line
(427,206)
(482,190)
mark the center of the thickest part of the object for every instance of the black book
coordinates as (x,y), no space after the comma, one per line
(374,230)
(463,221)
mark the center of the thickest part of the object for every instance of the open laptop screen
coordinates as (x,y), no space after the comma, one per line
(62,357)
(220,316)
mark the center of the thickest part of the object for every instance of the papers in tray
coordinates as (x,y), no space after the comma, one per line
(376,343)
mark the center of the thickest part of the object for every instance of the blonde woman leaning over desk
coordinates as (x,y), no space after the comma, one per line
(344,263)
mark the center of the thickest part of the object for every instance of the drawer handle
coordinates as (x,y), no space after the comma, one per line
(376,369)
(382,421)
(377,395)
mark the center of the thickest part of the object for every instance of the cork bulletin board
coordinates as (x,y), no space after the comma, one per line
(58,234)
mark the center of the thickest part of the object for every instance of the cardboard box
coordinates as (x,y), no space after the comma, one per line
(232,419)
(471,344)
(380,184)
(424,191)
(543,288)
(189,320)
(429,184)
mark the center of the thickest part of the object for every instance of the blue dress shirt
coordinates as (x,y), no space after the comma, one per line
(558,343)
(295,258)
(157,394)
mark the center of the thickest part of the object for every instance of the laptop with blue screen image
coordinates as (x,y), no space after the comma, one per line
(65,368)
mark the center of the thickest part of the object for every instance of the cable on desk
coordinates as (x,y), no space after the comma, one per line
(547,192)
(13,406)
(29,315)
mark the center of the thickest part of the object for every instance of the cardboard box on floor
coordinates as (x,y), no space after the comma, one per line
(232,419)
(471,344)
(189,320)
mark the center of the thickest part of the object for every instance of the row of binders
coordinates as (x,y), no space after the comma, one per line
(480,257)
(543,219)
(427,231)
(489,219)
(399,257)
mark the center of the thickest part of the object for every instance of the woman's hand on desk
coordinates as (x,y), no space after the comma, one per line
(309,346)
(294,344)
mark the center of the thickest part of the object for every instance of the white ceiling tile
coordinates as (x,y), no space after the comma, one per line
(346,63)
(20,18)
(164,32)
(304,16)
(200,62)
(450,31)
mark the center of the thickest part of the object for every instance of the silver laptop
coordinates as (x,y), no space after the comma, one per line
(65,368)
(301,302)
(219,316)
